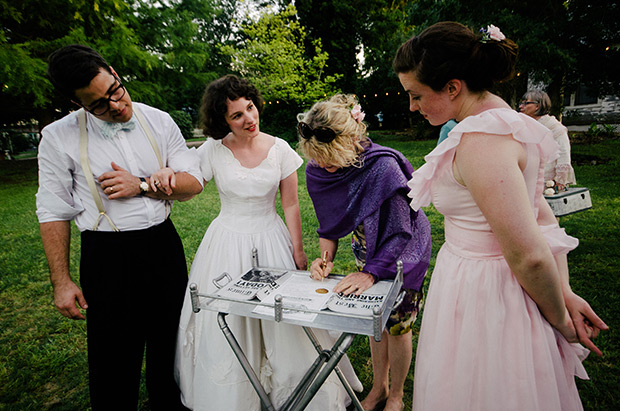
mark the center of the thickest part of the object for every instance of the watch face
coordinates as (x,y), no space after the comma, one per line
(144,187)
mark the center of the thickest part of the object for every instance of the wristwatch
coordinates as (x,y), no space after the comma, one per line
(144,186)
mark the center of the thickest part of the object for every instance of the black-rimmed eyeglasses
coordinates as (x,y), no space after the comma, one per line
(525,102)
(101,106)
(322,134)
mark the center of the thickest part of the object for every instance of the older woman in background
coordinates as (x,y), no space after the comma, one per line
(536,104)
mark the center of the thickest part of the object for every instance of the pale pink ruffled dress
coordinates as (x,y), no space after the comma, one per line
(484,344)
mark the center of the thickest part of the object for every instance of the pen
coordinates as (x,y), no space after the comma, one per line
(324,263)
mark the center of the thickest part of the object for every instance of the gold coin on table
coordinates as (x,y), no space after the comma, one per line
(322,290)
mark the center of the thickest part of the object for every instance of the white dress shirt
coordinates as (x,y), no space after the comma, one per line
(63,190)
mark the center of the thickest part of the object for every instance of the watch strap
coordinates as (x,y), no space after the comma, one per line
(142,190)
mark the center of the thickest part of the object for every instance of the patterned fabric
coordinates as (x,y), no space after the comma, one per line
(375,195)
(358,244)
(402,318)
(109,129)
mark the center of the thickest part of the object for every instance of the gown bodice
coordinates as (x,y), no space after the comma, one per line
(246,193)
(466,228)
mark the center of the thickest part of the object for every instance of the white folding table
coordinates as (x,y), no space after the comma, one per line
(350,324)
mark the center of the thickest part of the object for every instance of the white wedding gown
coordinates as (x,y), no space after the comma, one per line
(208,373)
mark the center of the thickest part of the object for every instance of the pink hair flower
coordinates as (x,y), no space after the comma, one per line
(495,33)
(492,33)
(357,113)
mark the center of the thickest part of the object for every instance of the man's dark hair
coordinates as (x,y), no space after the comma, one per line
(73,67)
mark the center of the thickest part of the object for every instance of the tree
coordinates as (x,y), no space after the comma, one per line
(384,29)
(335,22)
(165,52)
(562,43)
(270,54)
(594,32)
(186,36)
(361,38)
(31,30)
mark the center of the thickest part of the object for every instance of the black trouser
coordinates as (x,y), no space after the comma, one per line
(134,283)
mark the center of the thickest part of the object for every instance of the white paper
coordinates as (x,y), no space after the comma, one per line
(301,292)
(362,304)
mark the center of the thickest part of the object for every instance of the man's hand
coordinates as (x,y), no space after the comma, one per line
(66,295)
(119,183)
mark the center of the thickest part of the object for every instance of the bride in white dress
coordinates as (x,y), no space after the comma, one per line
(248,168)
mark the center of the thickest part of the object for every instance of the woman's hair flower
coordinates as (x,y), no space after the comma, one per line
(357,113)
(491,33)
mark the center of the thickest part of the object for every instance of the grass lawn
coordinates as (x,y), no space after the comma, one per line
(43,357)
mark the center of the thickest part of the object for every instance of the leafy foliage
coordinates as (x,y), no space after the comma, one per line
(562,43)
(361,38)
(165,52)
(271,55)
(594,32)
(184,121)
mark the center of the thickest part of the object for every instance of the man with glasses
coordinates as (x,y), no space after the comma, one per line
(113,167)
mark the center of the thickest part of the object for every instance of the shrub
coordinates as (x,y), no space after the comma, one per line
(280,120)
(184,121)
(16,141)
(601,131)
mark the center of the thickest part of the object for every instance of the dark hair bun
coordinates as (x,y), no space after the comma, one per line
(450,50)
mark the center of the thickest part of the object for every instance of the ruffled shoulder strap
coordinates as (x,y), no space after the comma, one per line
(500,121)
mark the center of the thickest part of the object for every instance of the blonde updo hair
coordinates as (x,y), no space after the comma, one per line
(351,137)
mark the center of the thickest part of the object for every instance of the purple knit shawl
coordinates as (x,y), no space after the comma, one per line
(374,195)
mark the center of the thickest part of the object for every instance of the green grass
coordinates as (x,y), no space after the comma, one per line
(43,358)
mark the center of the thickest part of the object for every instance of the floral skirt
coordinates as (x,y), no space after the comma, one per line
(402,317)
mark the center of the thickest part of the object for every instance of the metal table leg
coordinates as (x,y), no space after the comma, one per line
(311,382)
(335,354)
(347,386)
(245,364)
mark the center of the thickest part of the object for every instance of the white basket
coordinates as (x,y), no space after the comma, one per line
(573,200)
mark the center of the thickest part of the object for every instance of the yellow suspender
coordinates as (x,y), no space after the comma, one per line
(86,164)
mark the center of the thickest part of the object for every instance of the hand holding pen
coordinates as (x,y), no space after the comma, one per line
(321,268)
(324,264)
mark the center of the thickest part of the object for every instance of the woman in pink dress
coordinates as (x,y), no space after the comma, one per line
(501,324)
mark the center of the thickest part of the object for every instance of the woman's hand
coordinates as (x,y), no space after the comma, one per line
(163,180)
(301,260)
(586,323)
(317,272)
(567,329)
(355,283)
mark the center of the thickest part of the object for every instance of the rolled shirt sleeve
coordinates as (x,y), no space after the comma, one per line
(54,199)
(180,158)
